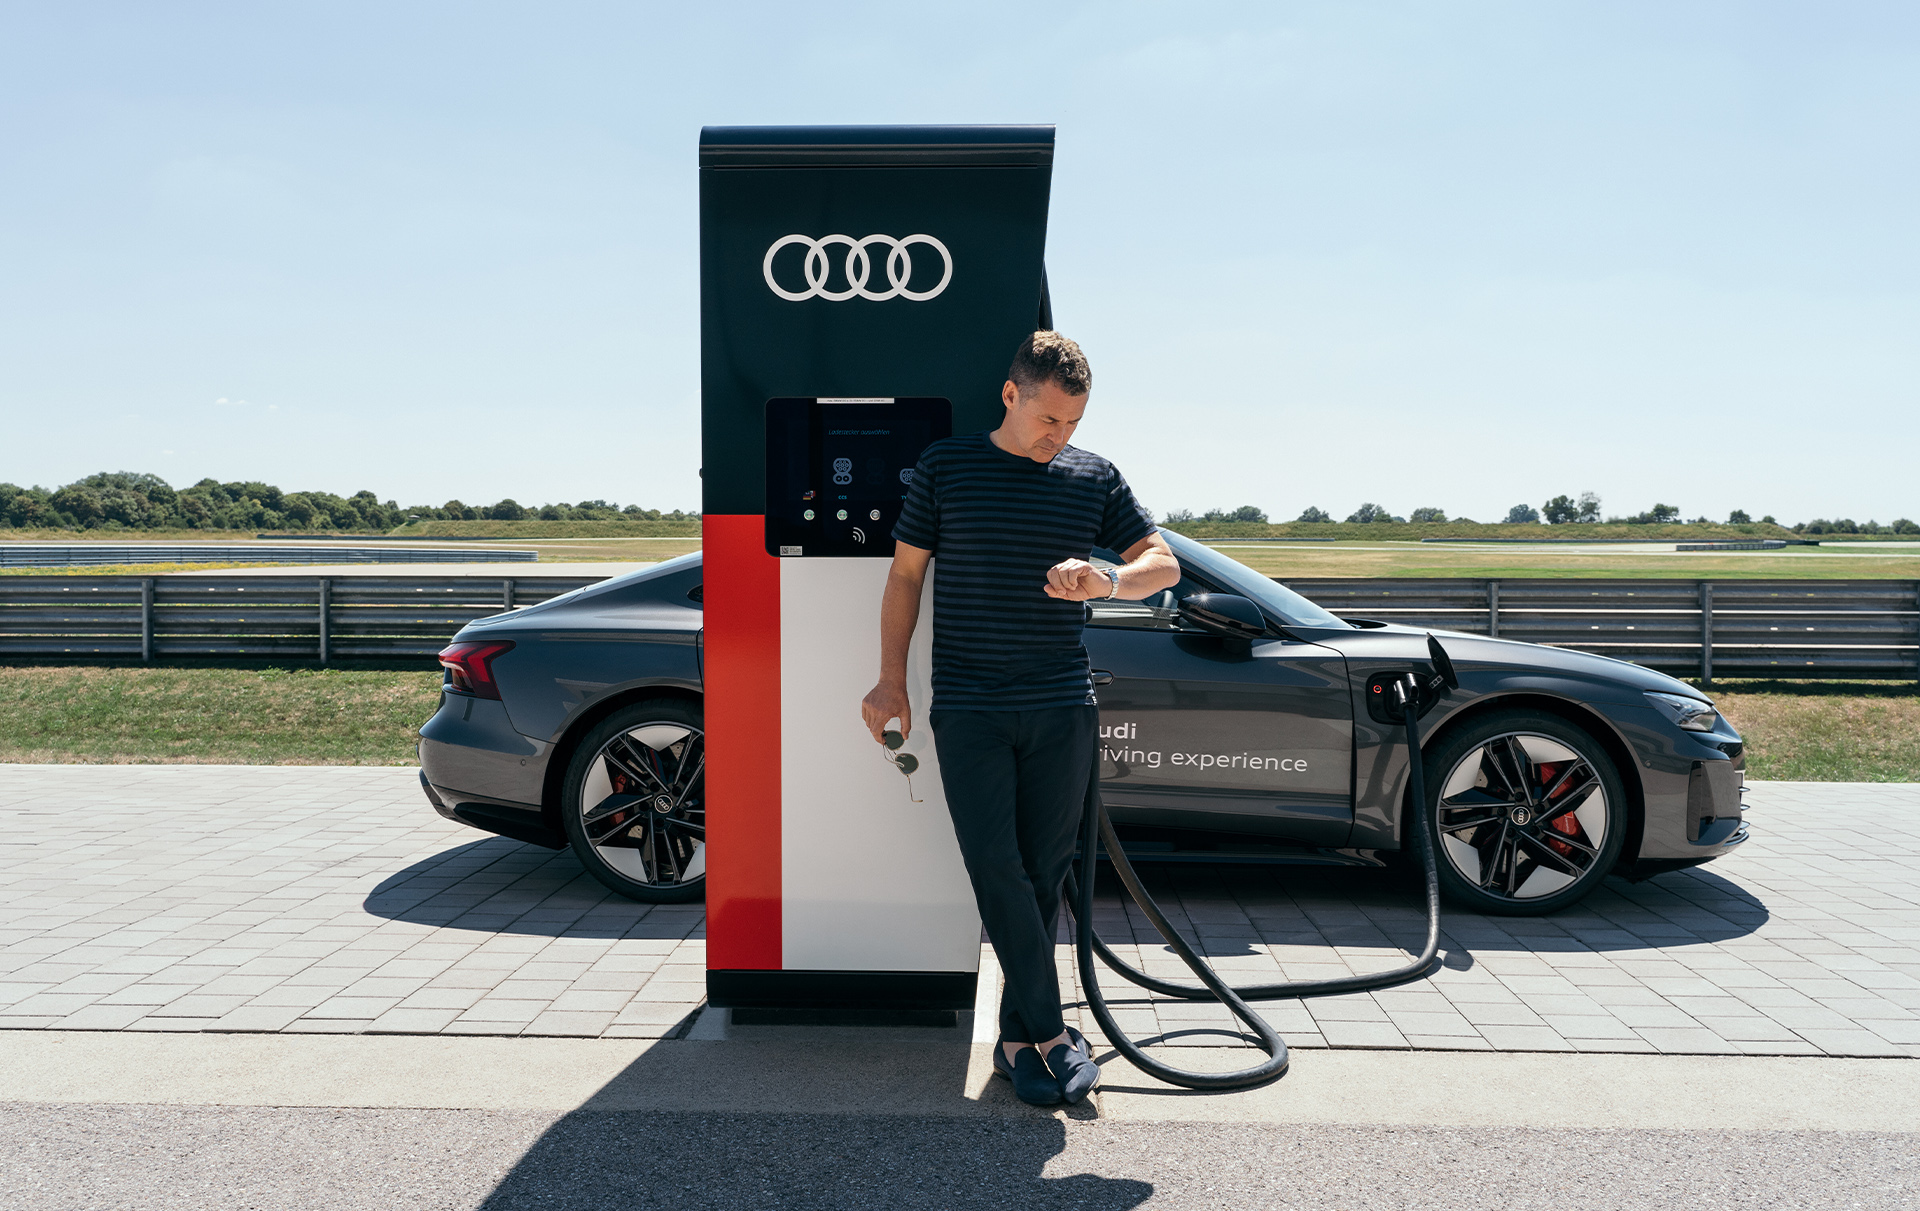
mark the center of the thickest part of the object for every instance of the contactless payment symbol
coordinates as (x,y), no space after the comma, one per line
(842,470)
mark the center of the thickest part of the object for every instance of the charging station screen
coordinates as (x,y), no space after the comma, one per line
(838,471)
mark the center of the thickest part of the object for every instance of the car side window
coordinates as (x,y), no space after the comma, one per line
(1160,612)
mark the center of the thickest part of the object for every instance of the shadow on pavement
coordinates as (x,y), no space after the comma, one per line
(805,1124)
(500,886)
(1236,910)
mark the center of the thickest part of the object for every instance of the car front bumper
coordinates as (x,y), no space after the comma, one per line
(1693,785)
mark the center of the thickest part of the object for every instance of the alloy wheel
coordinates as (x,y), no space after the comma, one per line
(1522,816)
(642,804)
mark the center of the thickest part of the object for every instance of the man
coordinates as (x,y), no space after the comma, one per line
(1014,515)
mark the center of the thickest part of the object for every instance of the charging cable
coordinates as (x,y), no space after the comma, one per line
(1408,692)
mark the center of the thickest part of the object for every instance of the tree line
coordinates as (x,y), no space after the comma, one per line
(128,500)
(1561,510)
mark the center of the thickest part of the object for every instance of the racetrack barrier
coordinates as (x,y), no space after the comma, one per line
(288,617)
(1840,629)
(1692,628)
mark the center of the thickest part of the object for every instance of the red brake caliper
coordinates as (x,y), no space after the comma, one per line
(619,782)
(1569,823)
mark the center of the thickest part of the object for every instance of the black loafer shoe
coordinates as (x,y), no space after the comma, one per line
(1072,1064)
(1032,1082)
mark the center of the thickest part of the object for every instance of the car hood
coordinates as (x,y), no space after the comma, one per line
(1485,653)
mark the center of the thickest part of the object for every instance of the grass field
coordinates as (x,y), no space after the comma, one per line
(582,550)
(556,542)
(1831,732)
(603,550)
(512,531)
(1503,532)
(1335,531)
(1387,531)
(1859,732)
(174,536)
(128,569)
(518,530)
(213,715)
(1383,550)
(1412,559)
(1290,562)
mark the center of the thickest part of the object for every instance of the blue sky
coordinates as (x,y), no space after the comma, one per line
(1459,254)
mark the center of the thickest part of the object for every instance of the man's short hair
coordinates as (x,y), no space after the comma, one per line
(1048,357)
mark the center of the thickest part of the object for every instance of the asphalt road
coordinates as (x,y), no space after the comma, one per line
(200,1157)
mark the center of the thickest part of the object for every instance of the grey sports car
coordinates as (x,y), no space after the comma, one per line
(1239,721)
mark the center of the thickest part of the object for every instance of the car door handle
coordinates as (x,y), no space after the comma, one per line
(1102,677)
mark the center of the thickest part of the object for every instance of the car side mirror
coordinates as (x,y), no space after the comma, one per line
(1225,614)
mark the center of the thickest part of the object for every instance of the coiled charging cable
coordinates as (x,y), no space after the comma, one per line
(1098,830)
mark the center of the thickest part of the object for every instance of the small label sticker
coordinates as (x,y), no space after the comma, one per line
(790,550)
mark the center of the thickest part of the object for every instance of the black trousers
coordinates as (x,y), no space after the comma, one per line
(1016,782)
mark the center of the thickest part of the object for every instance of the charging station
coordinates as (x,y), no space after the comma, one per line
(862,290)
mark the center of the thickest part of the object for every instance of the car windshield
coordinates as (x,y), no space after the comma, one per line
(1235,577)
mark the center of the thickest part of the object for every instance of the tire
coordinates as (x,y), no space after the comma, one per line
(634,801)
(1526,813)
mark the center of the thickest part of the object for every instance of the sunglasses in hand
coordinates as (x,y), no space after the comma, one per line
(906,763)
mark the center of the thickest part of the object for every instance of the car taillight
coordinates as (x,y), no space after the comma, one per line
(470,667)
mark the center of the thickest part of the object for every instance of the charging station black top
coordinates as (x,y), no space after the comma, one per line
(794,146)
(855,261)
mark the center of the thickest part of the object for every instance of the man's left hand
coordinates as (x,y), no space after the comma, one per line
(1077,580)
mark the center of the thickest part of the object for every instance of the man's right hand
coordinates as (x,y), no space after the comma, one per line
(885,701)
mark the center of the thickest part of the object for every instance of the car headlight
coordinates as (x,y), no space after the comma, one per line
(1689,714)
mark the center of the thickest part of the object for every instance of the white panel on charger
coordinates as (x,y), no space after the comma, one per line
(870,880)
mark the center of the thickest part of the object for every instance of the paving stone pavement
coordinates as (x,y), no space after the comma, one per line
(234,898)
(225,898)
(1800,942)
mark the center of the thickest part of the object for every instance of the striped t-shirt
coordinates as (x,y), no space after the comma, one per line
(995,523)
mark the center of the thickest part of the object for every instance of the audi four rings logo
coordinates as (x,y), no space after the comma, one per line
(858,267)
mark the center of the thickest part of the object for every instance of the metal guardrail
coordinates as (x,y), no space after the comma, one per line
(291,617)
(65,555)
(1692,628)
(1703,628)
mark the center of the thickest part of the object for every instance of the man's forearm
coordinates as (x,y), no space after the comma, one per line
(899,614)
(1147,575)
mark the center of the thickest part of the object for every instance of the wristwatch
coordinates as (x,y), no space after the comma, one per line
(1113,575)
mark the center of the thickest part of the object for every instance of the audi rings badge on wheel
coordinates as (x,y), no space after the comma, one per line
(858,267)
